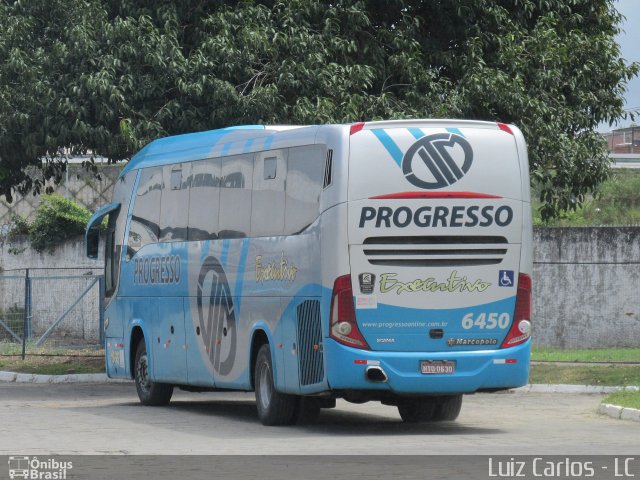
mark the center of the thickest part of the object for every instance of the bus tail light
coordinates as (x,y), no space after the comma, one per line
(344,328)
(521,327)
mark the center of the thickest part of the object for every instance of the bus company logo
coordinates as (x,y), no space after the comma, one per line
(216,314)
(429,162)
(33,468)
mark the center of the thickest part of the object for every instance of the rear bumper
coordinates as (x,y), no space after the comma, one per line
(476,370)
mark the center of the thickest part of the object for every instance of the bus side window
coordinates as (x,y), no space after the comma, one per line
(267,204)
(144,227)
(235,196)
(204,200)
(305,176)
(174,203)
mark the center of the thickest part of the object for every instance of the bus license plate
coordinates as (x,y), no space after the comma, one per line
(442,367)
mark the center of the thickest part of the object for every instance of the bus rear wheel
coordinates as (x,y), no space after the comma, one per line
(149,392)
(430,409)
(274,408)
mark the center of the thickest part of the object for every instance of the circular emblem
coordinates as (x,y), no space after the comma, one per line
(437,161)
(216,315)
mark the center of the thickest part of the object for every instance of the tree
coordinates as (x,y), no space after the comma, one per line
(108,76)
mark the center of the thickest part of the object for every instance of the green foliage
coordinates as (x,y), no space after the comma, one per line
(57,219)
(111,75)
(617,202)
(19,227)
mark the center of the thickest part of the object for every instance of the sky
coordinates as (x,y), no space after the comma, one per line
(629,40)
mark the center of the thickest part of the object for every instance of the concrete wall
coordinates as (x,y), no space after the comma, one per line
(585,290)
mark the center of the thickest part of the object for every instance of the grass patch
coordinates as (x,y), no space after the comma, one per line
(52,365)
(610,375)
(15,348)
(545,354)
(617,203)
(624,398)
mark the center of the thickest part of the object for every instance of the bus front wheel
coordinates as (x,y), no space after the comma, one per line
(149,392)
(274,408)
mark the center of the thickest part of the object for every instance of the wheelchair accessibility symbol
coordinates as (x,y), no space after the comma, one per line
(505,278)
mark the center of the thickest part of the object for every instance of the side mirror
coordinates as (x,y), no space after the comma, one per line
(92,234)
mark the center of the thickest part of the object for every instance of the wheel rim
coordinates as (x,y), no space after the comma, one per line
(142,373)
(265,387)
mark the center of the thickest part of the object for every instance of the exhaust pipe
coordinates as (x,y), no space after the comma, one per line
(376,375)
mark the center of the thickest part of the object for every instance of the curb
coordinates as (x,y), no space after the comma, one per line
(620,413)
(13,377)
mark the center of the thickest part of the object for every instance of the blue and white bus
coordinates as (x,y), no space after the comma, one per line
(382,261)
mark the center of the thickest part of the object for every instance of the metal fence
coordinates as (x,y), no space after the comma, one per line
(47,310)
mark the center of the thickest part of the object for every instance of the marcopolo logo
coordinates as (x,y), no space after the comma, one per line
(437,161)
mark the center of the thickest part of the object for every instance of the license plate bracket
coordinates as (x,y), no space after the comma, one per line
(437,367)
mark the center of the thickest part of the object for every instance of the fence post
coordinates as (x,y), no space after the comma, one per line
(101,293)
(25,323)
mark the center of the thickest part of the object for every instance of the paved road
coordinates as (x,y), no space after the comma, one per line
(106,418)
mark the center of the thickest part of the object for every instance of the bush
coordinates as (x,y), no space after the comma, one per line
(57,219)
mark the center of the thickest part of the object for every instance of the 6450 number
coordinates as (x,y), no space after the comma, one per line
(486,321)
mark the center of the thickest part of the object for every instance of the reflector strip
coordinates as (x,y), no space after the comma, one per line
(367,362)
(503,361)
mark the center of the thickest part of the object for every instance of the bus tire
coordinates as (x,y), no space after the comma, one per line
(447,408)
(274,408)
(149,392)
(417,410)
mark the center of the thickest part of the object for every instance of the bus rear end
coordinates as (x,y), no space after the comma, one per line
(437,302)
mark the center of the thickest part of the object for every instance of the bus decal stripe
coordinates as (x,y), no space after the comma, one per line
(225,251)
(247,146)
(204,253)
(244,250)
(389,144)
(416,132)
(268,141)
(456,131)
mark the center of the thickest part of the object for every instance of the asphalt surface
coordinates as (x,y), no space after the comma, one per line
(107,419)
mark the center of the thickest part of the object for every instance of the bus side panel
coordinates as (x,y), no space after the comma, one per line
(168,340)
